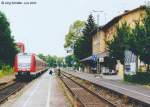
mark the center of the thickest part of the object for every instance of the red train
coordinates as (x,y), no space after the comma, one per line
(28,65)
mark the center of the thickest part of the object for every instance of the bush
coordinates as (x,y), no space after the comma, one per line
(1,64)
(139,78)
(1,73)
(6,69)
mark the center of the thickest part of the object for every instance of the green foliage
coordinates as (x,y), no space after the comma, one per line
(139,78)
(79,38)
(83,46)
(89,26)
(75,32)
(41,56)
(140,39)
(53,61)
(60,62)
(120,43)
(6,70)
(72,61)
(136,40)
(1,64)
(145,40)
(7,46)
(69,60)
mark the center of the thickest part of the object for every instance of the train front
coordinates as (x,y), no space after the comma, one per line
(23,65)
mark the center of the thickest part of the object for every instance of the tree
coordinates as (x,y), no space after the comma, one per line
(51,61)
(136,39)
(54,61)
(89,27)
(41,56)
(83,45)
(81,48)
(144,41)
(140,39)
(69,60)
(7,46)
(60,61)
(75,32)
(119,44)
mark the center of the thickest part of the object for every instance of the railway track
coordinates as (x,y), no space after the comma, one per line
(84,96)
(118,99)
(5,84)
(9,90)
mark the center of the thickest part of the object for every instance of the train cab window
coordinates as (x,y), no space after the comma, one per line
(24,61)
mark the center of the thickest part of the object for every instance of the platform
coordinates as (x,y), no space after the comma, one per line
(43,92)
(137,92)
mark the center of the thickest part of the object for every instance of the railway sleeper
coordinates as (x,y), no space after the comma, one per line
(117,98)
(81,95)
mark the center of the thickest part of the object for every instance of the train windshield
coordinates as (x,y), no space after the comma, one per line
(24,61)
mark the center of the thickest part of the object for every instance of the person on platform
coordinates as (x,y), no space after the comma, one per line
(50,72)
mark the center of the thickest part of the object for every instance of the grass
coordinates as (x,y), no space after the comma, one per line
(1,74)
(6,70)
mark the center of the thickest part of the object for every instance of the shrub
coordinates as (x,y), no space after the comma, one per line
(139,78)
(1,73)
(1,63)
(6,69)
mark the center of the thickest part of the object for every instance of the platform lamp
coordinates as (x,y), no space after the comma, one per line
(98,17)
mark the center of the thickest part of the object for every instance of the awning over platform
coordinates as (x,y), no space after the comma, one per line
(98,55)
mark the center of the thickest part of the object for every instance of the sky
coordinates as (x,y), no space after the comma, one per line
(42,26)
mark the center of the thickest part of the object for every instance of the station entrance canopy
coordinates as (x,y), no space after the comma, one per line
(97,56)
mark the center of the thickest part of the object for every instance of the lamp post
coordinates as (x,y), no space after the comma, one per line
(98,17)
(147,3)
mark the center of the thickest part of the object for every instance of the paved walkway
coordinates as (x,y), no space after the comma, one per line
(57,98)
(44,92)
(138,92)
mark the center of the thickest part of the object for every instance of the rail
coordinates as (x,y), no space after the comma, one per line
(85,96)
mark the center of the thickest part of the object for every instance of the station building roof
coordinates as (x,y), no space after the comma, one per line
(98,55)
(116,19)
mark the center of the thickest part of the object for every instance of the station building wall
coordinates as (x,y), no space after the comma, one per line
(107,32)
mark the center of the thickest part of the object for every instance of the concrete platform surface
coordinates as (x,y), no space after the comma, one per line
(44,92)
(135,91)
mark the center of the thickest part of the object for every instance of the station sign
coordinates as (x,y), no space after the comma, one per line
(94,57)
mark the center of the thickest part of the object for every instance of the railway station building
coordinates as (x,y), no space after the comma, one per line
(106,33)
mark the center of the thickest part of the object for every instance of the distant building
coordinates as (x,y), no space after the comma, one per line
(107,32)
(21,47)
